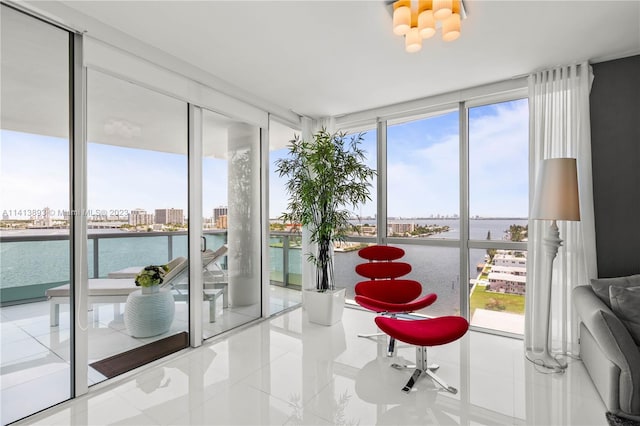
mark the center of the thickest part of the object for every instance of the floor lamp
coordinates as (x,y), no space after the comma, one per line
(556,198)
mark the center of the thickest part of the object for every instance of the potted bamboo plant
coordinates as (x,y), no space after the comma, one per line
(326,175)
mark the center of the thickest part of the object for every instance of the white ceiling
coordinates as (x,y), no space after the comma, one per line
(328,58)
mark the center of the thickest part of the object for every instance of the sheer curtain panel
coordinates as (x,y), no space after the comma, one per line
(559,127)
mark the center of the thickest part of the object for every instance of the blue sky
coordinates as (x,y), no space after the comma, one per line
(423,165)
(35,174)
(126,178)
(423,170)
(34,171)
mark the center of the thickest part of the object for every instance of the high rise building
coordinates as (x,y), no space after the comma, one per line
(221,222)
(219,211)
(47,217)
(402,228)
(140,217)
(166,216)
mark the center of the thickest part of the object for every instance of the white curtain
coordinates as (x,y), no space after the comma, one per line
(560,127)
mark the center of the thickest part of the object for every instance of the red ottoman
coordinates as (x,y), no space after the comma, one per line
(424,333)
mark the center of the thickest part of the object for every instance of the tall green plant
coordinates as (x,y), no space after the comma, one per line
(326,175)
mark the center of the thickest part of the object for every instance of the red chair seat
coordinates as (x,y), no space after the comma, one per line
(383,270)
(426,332)
(379,306)
(394,291)
(381,253)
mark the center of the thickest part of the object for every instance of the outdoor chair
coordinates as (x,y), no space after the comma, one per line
(122,283)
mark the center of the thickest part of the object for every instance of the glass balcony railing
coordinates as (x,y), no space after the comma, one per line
(31,264)
(285,258)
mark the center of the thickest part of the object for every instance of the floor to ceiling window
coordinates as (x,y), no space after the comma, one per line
(137,202)
(423,203)
(137,197)
(231,211)
(35,362)
(498,211)
(285,243)
(364,220)
(364,217)
(471,250)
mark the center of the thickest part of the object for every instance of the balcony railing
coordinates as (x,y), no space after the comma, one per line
(285,251)
(31,264)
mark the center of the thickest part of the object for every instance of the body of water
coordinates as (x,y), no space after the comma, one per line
(437,268)
(40,262)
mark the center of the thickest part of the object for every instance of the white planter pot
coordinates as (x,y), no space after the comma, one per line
(324,308)
(150,290)
(147,315)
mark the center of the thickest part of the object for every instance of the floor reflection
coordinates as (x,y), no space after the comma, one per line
(287,371)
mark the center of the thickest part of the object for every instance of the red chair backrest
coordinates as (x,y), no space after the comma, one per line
(383,270)
(398,291)
(380,253)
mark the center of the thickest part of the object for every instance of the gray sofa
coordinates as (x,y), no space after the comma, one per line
(609,353)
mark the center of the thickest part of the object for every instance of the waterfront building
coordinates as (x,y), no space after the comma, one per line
(506,259)
(140,217)
(221,222)
(401,228)
(166,216)
(502,282)
(368,230)
(513,270)
(219,211)
(508,273)
(44,220)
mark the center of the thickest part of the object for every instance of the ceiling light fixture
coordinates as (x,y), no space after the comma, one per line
(418,20)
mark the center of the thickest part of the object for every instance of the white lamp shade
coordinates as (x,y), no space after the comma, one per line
(426,24)
(413,41)
(451,27)
(556,190)
(442,9)
(401,20)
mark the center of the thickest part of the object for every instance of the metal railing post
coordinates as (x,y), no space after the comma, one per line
(96,258)
(285,260)
(169,248)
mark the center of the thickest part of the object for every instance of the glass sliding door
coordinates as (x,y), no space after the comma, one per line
(231,223)
(137,206)
(34,229)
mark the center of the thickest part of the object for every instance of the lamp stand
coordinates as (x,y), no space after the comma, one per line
(552,242)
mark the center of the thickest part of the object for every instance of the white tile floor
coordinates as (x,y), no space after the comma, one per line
(286,371)
(34,357)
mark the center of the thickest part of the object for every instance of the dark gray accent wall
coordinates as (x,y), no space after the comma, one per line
(615,148)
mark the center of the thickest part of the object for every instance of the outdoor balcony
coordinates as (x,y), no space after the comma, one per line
(36,356)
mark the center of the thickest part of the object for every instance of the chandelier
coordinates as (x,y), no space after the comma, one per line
(418,20)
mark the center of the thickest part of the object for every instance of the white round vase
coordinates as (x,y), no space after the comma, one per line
(149,314)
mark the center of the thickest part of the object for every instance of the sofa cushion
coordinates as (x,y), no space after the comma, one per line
(625,303)
(601,285)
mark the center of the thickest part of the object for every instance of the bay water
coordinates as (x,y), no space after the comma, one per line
(436,268)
